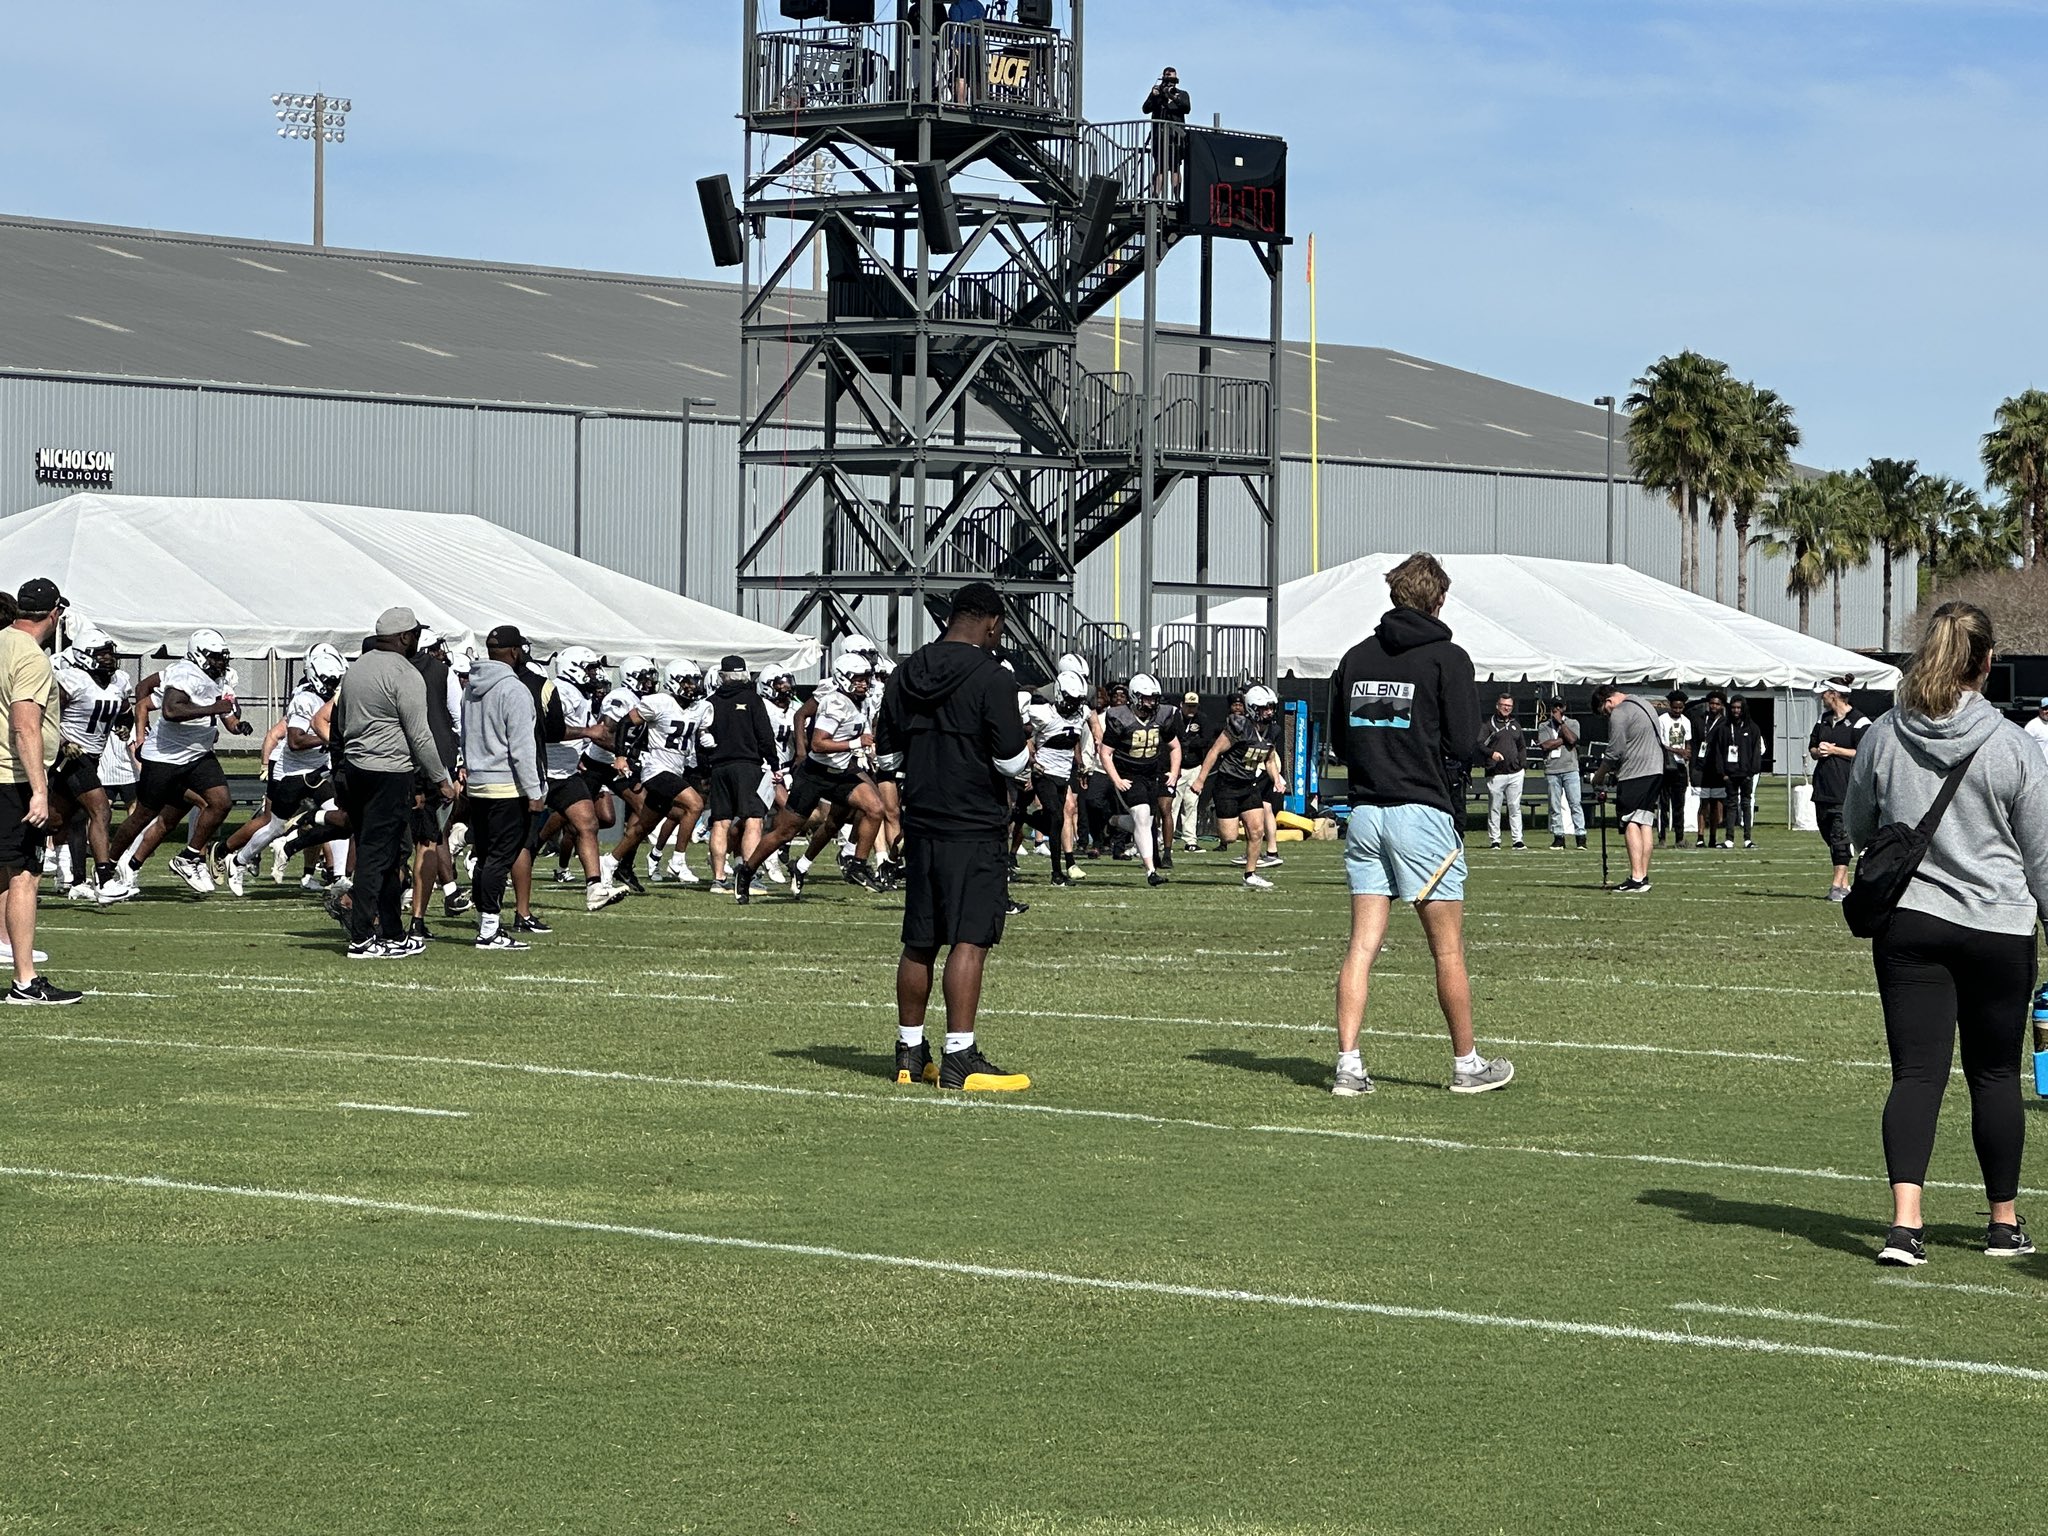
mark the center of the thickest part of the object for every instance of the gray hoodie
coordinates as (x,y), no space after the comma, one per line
(1987,867)
(498,740)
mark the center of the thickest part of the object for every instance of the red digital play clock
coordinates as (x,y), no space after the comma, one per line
(1236,185)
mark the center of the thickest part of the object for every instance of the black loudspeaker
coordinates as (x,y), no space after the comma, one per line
(804,10)
(721,221)
(935,207)
(1091,230)
(1034,13)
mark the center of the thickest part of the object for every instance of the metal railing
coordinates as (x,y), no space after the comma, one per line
(1234,656)
(1206,416)
(830,68)
(1146,156)
(990,64)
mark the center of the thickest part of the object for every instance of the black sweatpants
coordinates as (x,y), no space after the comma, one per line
(497,831)
(1834,828)
(1937,979)
(380,811)
(1671,803)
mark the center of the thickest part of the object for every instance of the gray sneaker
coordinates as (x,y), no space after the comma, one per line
(1497,1073)
(1349,1085)
(1838,893)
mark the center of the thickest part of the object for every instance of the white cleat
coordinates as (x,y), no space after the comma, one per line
(607,865)
(680,871)
(1257,883)
(600,894)
(117,889)
(83,891)
(7,954)
(280,862)
(312,883)
(194,873)
(237,874)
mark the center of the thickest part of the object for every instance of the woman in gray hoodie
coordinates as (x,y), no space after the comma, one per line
(1958,954)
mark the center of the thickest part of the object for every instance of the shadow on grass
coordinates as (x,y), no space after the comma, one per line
(845,1058)
(1298,1070)
(1859,1236)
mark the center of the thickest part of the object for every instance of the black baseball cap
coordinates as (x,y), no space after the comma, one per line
(38,596)
(505,637)
(733,664)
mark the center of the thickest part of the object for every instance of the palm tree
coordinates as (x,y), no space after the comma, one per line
(1898,521)
(1761,438)
(1964,535)
(1676,432)
(2016,462)
(1821,529)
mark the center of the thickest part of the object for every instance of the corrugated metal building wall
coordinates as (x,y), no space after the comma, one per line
(517,465)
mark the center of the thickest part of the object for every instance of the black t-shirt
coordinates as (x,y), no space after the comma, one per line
(1196,734)
(1831,774)
(951,710)
(1140,744)
(1252,747)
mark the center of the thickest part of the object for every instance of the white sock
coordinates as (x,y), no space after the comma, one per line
(803,864)
(448,889)
(1350,1061)
(911,1034)
(958,1042)
(1470,1061)
(487,925)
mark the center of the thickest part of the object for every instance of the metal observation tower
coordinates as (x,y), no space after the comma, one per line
(967,224)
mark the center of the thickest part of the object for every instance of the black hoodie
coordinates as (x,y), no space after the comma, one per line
(951,710)
(1403,701)
(740,732)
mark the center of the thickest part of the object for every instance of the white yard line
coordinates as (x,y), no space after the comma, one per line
(1772,1314)
(1906,1283)
(922,1099)
(1558,1327)
(405,1109)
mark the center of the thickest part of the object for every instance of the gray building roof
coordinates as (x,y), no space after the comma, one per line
(131,303)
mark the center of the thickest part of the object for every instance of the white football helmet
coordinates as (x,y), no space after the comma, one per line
(93,654)
(639,674)
(324,669)
(208,651)
(850,672)
(618,704)
(1074,664)
(1143,686)
(1258,697)
(775,682)
(685,679)
(580,665)
(855,645)
(460,662)
(1071,687)
(884,668)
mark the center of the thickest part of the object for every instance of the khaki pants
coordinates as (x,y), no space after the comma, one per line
(1186,812)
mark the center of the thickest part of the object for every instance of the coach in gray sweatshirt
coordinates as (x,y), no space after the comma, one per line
(501,775)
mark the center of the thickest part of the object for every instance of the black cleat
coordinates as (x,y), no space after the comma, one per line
(1061,879)
(41,992)
(796,881)
(419,930)
(972,1072)
(1015,908)
(914,1063)
(2008,1239)
(624,876)
(743,882)
(1155,878)
(457,904)
(1904,1248)
(530,924)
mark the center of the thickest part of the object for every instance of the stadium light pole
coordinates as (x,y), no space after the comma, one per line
(1608,401)
(324,120)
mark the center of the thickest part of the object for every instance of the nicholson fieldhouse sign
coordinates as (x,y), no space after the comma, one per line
(92,468)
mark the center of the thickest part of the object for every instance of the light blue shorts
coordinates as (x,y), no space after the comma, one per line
(1395,850)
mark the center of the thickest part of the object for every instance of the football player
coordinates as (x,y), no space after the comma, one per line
(198,697)
(666,729)
(1245,758)
(579,672)
(1056,731)
(295,781)
(97,702)
(778,691)
(831,773)
(1142,739)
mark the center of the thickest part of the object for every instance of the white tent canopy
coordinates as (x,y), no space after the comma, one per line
(1557,621)
(276,577)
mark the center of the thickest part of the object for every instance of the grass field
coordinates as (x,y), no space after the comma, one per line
(679,1259)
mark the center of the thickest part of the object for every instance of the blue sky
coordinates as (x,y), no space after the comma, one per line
(1839,199)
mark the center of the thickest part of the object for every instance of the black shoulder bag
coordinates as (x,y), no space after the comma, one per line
(1888,865)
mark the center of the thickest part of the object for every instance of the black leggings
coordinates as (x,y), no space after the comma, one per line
(1671,803)
(1052,807)
(1933,977)
(1834,827)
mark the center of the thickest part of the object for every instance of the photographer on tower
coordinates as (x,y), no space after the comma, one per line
(1168,107)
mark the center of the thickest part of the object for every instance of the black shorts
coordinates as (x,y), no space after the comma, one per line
(809,787)
(563,793)
(76,777)
(736,792)
(1233,797)
(600,776)
(288,793)
(662,791)
(166,784)
(699,779)
(954,892)
(21,844)
(1143,789)
(425,821)
(1637,797)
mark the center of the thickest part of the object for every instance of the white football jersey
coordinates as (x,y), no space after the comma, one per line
(1057,737)
(840,717)
(89,708)
(183,741)
(673,730)
(299,711)
(782,720)
(563,756)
